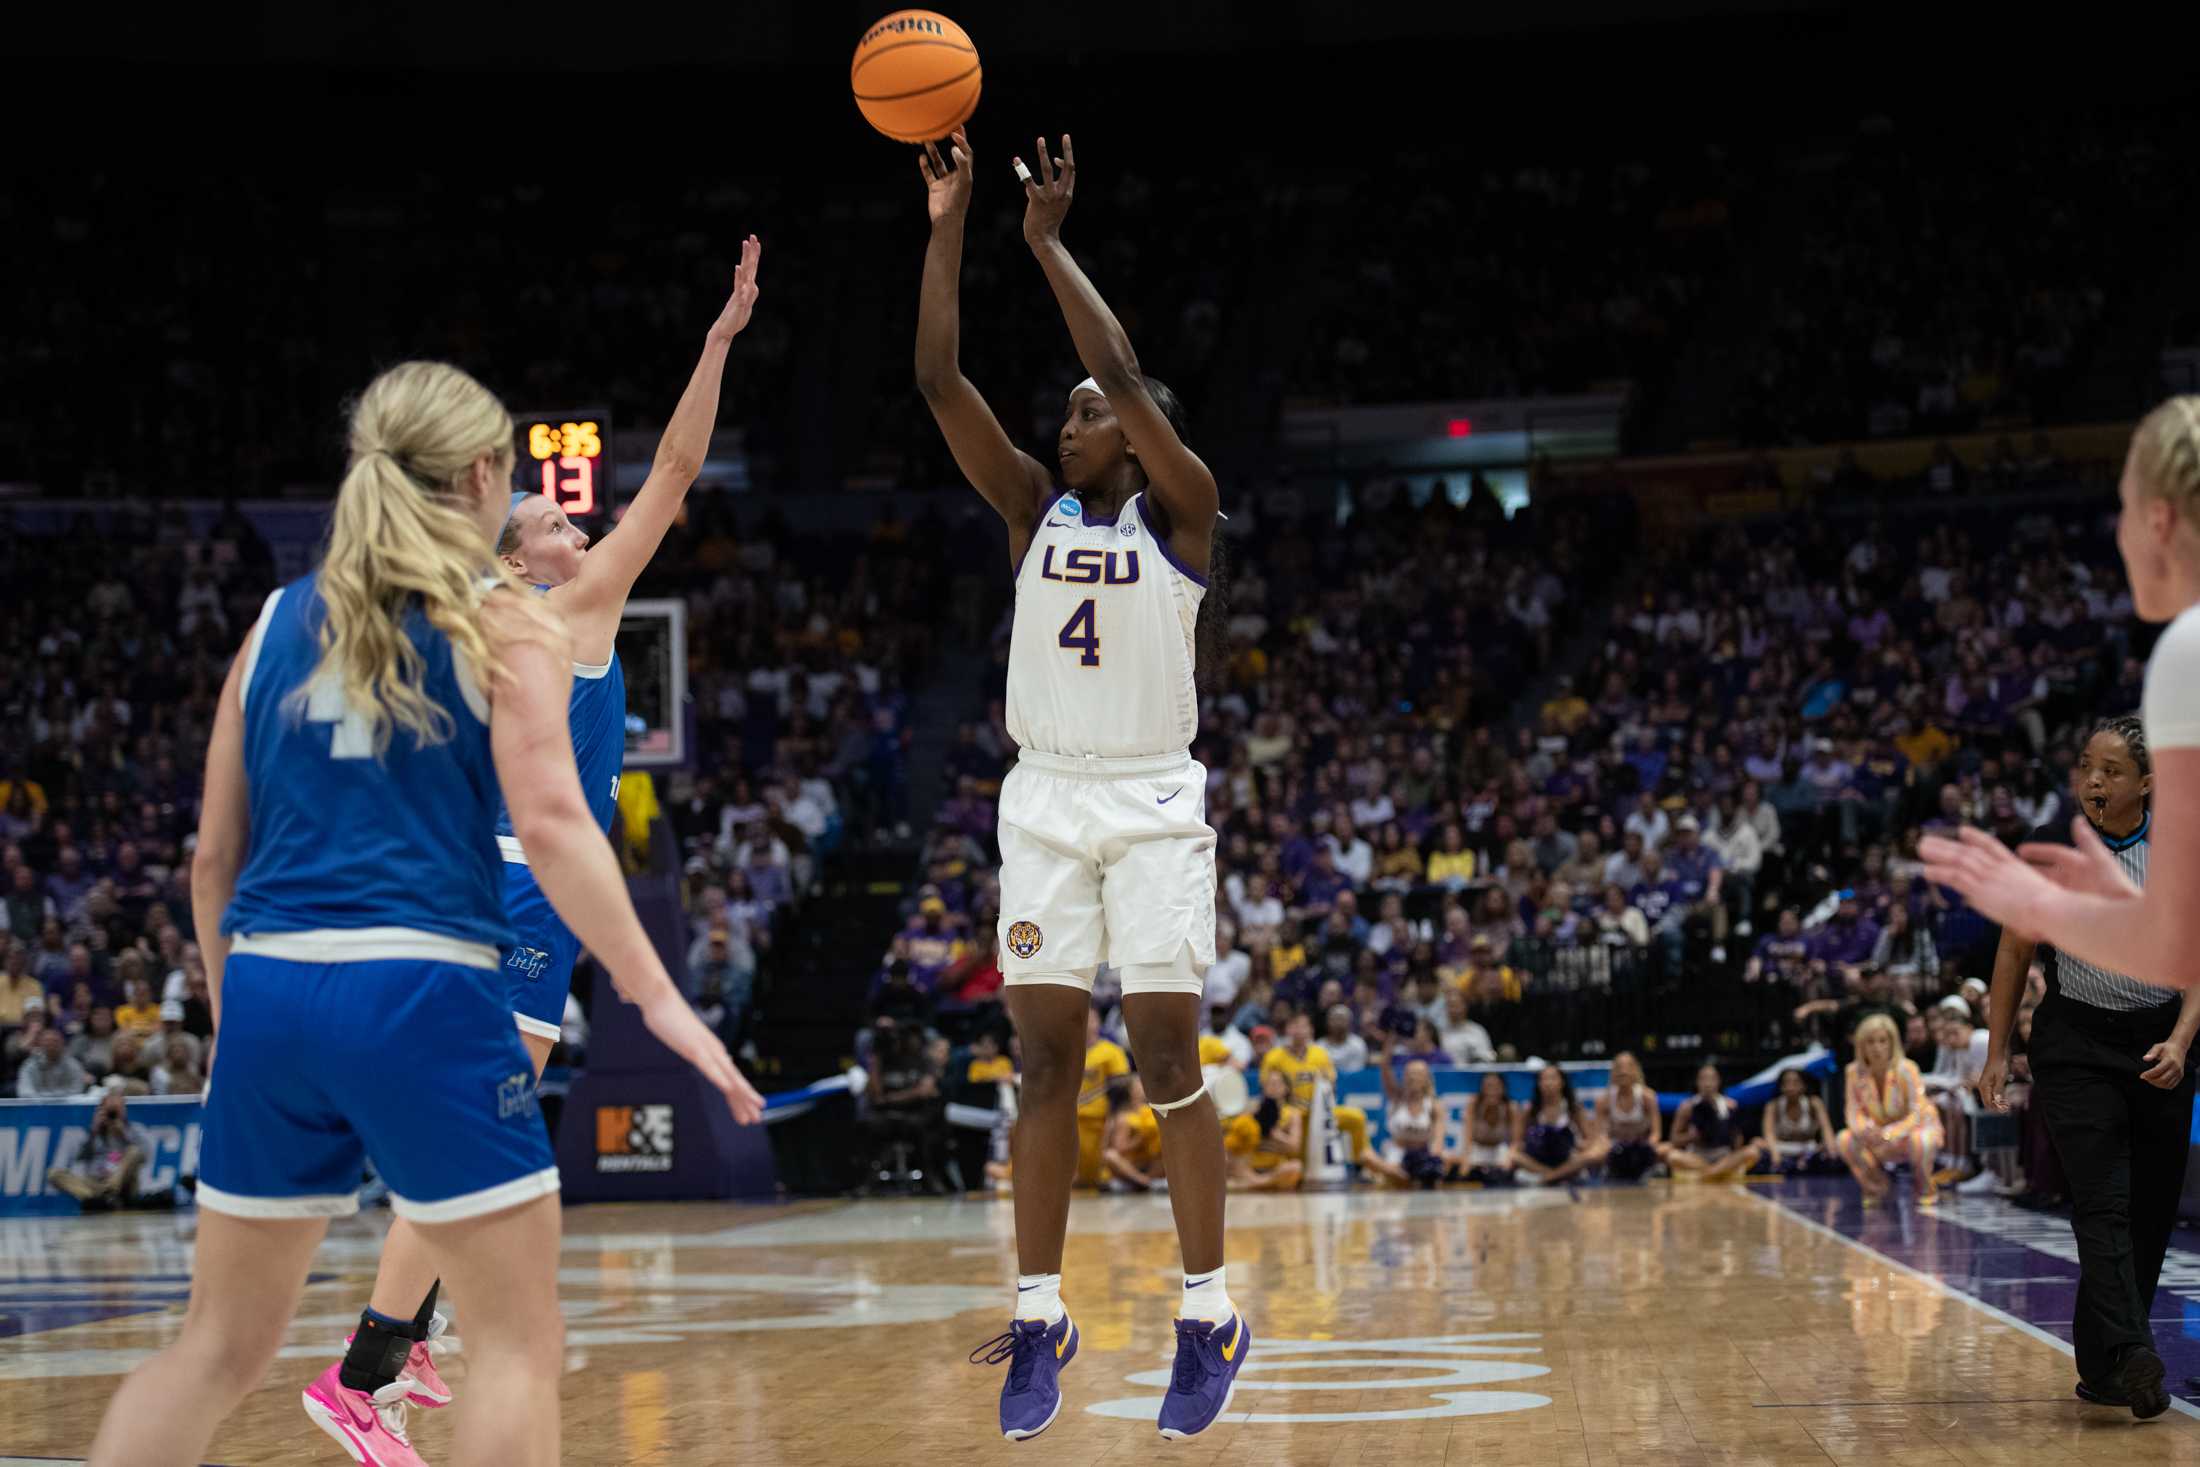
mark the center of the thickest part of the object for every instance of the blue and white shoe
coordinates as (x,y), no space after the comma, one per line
(1036,1351)
(1208,1357)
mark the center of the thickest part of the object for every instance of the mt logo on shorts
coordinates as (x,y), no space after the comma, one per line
(1025,939)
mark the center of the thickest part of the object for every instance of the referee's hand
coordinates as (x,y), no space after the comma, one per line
(2165,1066)
(1990,1081)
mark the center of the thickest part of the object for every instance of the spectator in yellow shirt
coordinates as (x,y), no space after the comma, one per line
(1263,1144)
(1486,980)
(1105,1063)
(137,1011)
(1566,708)
(638,807)
(1133,1151)
(1924,745)
(1451,864)
(1303,1064)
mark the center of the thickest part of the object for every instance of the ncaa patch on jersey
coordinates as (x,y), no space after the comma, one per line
(1025,939)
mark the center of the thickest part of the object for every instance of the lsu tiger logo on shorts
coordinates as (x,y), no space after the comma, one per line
(1025,939)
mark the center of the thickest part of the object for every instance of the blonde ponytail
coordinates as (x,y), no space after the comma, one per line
(402,536)
(2166,450)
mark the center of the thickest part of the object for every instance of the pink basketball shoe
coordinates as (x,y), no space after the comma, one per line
(427,1389)
(370,1428)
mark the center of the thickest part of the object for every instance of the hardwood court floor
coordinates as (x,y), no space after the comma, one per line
(1658,1325)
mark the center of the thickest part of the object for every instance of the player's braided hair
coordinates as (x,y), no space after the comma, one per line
(1211,634)
(2133,731)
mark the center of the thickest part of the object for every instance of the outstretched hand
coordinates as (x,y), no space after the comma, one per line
(2084,866)
(1992,878)
(745,291)
(1047,194)
(676,1025)
(946,189)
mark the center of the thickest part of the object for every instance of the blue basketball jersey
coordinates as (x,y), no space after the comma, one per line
(341,838)
(597,714)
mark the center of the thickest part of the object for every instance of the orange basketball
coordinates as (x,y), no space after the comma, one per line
(915,76)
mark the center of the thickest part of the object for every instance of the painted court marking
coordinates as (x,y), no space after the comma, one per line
(2176,1402)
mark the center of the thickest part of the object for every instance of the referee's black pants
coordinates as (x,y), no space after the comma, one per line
(2123,1143)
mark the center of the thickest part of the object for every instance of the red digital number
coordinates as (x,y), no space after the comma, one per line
(570,482)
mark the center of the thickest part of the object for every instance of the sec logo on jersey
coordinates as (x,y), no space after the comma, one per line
(1025,939)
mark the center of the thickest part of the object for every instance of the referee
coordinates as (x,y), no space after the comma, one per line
(2108,1072)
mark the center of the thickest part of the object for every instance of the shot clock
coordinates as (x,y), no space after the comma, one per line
(567,455)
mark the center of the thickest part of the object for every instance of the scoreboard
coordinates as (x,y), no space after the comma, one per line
(567,455)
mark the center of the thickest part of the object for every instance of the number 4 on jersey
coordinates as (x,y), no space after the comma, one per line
(1081,633)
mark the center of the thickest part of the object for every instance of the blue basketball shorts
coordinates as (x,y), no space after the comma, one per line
(412,1062)
(538,971)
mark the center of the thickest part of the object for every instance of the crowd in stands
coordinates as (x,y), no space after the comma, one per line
(1936,286)
(1452,280)
(144,389)
(1906,1099)
(1898,279)
(114,642)
(1711,828)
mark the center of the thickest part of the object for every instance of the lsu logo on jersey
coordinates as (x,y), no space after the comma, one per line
(1086,567)
(1025,939)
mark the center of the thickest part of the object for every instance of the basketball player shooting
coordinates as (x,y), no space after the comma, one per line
(1106,855)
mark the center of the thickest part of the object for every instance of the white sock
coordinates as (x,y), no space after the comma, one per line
(1039,1296)
(1206,1296)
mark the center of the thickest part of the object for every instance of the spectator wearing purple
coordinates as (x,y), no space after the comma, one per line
(1881,777)
(1664,901)
(1825,771)
(1322,884)
(1648,761)
(1782,955)
(70,883)
(1869,628)
(50,958)
(931,942)
(1702,874)
(1847,938)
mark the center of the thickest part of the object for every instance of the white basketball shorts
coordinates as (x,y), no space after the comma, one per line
(1105,861)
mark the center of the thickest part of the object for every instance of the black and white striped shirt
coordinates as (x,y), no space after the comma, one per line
(2077,979)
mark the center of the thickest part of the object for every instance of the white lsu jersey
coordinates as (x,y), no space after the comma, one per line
(1100,655)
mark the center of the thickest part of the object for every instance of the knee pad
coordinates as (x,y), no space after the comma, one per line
(1163,1107)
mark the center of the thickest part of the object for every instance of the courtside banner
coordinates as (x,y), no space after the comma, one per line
(1455,1088)
(38,1135)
